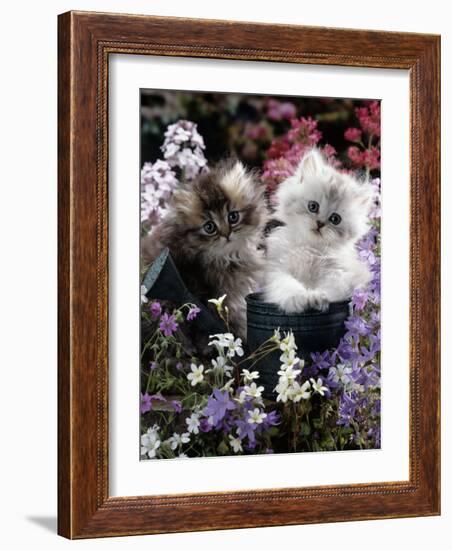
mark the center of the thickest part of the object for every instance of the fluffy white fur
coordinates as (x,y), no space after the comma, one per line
(310,265)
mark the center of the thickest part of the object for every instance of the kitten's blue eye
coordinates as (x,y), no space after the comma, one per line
(335,219)
(209,227)
(313,207)
(233,217)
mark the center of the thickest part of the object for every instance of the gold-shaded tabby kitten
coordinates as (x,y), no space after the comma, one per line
(213,230)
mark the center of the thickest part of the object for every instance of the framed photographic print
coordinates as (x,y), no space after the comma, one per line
(248,275)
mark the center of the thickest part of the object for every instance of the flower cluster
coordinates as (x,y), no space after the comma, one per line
(183,160)
(285,152)
(158,182)
(183,148)
(365,153)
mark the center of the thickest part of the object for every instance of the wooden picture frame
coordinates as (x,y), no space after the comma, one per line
(85,42)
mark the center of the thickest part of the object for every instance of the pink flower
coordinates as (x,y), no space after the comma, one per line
(330,153)
(258,131)
(304,130)
(353,134)
(278,148)
(277,110)
(277,170)
(369,117)
(371,158)
(355,155)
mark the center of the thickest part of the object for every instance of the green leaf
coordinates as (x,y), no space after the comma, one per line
(317,423)
(305,429)
(223,448)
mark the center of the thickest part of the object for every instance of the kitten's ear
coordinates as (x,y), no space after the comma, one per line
(183,201)
(311,164)
(241,183)
(238,169)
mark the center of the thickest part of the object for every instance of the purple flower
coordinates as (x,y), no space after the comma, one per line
(217,405)
(359,299)
(153,365)
(251,445)
(377,407)
(179,366)
(357,326)
(375,340)
(192,313)
(168,324)
(375,433)
(347,410)
(368,256)
(245,429)
(272,419)
(321,360)
(367,354)
(375,317)
(177,405)
(204,425)
(156,309)
(158,397)
(146,403)
(347,351)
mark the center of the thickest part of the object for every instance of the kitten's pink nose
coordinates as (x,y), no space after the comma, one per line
(320,224)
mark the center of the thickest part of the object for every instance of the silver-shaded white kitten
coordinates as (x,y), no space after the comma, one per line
(312,260)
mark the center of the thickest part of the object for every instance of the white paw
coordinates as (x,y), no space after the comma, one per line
(317,300)
(294,304)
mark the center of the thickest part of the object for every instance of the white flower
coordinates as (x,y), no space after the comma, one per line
(182,455)
(235,443)
(254,391)
(283,389)
(288,343)
(220,364)
(218,303)
(250,376)
(193,423)
(196,375)
(289,359)
(235,348)
(318,386)
(144,299)
(150,442)
(229,342)
(227,386)
(300,392)
(176,440)
(256,416)
(221,340)
(276,336)
(241,398)
(288,374)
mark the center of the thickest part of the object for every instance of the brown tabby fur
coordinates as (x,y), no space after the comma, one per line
(230,261)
